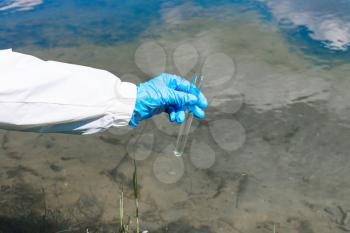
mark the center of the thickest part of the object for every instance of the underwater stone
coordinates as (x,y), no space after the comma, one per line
(56,167)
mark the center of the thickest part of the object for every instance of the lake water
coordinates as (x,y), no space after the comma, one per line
(272,155)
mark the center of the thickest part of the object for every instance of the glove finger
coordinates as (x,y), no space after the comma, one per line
(172,116)
(180,116)
(202,100)
(176,82)
(180,99)
(184,85)
(172,113)
(180,84)
(197,111)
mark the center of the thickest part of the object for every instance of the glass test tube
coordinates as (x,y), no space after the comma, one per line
(186,125)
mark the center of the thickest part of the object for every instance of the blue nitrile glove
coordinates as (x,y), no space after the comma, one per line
(168,93)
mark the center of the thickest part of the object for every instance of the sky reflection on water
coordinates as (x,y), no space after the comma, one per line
(317,26)
(327,21)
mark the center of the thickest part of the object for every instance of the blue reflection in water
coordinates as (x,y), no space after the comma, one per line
(69,23)
(316,26)
(319,27)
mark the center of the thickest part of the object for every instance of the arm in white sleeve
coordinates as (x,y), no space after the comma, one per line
(48,96)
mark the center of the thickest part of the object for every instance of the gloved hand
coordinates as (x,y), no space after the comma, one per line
(168,93)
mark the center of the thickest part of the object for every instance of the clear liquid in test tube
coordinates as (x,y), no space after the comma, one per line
(185,127)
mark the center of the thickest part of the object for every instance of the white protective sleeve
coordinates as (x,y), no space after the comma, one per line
(49,96)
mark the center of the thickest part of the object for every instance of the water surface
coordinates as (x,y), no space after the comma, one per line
(272,152)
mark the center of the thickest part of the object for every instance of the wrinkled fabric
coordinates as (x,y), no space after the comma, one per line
(49,96)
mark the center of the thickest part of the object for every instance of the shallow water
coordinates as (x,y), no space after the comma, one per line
(273,150)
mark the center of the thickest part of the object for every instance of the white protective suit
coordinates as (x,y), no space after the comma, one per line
(49,96)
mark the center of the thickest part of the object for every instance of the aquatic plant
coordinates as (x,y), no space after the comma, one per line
(136,196)
(123,226)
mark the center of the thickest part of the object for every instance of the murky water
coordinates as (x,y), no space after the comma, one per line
(273,151)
